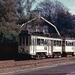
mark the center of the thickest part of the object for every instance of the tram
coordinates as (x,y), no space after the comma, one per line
(39,45)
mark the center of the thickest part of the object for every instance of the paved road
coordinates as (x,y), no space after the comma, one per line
(65,69)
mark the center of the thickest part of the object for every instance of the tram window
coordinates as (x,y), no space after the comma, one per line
(38,41)
(19,40)
(45,42)
(57,43)
(41,42)
(34,41)
(29,40)
(26,41)
(49,42)
(73,43)
(68,43)
(23,40)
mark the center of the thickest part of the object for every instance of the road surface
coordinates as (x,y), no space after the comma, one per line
(64,69)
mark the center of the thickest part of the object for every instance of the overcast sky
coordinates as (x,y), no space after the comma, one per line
(68,3)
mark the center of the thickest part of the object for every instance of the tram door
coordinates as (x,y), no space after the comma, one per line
(52,44)
(63,46)
(34,46)
(49,47)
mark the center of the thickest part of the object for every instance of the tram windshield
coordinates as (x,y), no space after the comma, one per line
(24,40)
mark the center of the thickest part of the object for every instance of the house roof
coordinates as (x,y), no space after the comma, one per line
(45,21)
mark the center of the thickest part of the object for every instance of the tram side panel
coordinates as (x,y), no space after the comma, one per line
(37,46)
(50,51)
(57,47)
(24,46)
(33,47)
(73,47)
(70,48)
(41,47)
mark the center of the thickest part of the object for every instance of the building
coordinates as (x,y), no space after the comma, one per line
(35,25)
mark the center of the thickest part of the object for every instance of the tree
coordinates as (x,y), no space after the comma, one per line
(58,7)
(8,18)
(57,13)
(45,8)
(64,20)
(10,9)
(24,10)
(24,6)
(2,10)
(49,9)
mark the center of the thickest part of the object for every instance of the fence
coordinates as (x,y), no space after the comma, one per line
(8,50)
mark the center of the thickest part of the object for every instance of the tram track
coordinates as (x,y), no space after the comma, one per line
(41,62)
(28,64)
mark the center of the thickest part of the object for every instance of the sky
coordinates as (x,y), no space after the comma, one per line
(68,3)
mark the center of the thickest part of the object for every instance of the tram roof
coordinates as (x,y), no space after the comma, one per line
(26,33)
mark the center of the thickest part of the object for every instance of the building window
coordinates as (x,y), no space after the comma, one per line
(37,28)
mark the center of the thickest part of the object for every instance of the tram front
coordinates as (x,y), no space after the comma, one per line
(24,42)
